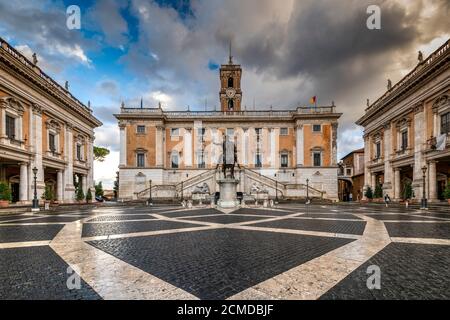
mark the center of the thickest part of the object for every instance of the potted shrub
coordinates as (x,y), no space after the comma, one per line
(407,192)
(47,196)
(5,194)
(369,193)
(378,194)
(447,192)
(79,195)
(89,196)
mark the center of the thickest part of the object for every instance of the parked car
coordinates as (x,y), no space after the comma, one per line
(99,198)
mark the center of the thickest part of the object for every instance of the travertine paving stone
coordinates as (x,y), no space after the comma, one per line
(122,218)
(387,217)
(408,271)
(189,213)
(262,212)
(29,233)
(329,215)
(38,273)
(102,229)
(333,226)
(225,219)
(422,230)
(216,264)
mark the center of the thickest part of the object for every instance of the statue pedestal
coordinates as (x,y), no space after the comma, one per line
(228,198)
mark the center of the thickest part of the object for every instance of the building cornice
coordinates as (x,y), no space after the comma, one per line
(19,66)
(435,64)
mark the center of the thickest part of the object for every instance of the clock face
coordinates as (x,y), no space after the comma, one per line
(230,93)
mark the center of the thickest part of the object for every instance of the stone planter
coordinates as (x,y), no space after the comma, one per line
(4,203)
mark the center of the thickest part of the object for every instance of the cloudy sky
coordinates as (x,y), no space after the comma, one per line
(169,51)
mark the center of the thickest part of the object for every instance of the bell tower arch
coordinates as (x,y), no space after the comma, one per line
(230,86)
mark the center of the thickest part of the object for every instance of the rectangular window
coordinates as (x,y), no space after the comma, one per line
(79,156)
(10,127)
(52,142)
(284,160)
(201,161)
(141,129)
(349,172)
(258,160)
(201,132)
(317,159)
(174,132)
(404,140)
(141,160)
(445,123)
(378,150)
(317,128)
(258,131)
(174,161)
(284,131)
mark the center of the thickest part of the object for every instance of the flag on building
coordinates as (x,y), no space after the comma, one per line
(313,101)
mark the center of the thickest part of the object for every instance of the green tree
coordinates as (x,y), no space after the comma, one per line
(79,194)
(100,153)
(89,195)
(407,191)
(48,193)
(378,191)
(5,192)
(369,193)
(99,189)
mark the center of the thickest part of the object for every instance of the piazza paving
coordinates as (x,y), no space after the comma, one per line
(169,252)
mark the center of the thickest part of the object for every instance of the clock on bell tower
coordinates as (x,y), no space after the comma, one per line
(230,86)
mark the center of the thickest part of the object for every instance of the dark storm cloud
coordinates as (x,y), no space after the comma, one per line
(42,26)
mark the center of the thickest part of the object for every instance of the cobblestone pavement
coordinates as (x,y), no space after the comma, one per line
(168,252)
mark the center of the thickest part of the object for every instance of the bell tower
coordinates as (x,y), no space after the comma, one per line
(230,86)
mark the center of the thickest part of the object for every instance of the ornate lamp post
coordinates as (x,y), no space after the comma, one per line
(276,191)
(35,203)
(150,198)
(424,204)
(307,191)
(182,198)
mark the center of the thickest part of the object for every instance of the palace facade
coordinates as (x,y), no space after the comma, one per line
(42,126)
(406,131)
(278,151)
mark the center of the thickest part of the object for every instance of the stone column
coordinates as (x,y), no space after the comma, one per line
(69,189)
(2,118)
(334,130)
(387,186)
(187,150)
(373,181)
(272,148)
(397,184)
(59,186)
(123,145)
(367,180)
(159,146)
(36,140)
(90,161)
(244,146)
(23,183)
(432,181)
(300,146)
(83,183)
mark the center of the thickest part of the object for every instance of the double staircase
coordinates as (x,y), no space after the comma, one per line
(283,190)
(280,187)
